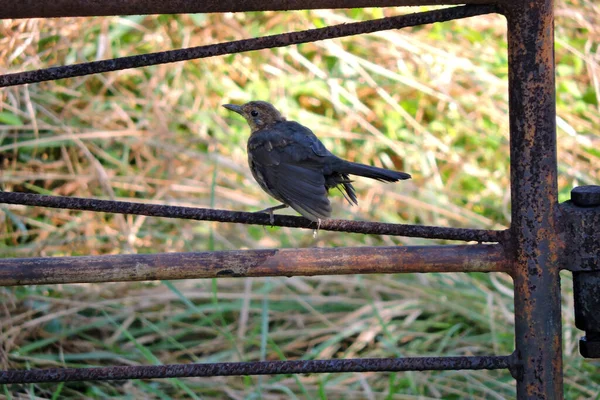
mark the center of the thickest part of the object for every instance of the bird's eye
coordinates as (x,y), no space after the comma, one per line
(254,113)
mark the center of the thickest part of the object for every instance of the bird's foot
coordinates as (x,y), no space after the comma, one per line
(270,212)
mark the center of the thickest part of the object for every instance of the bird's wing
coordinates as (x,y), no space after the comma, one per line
(290,170)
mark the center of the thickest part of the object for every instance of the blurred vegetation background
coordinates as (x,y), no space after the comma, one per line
(429,100)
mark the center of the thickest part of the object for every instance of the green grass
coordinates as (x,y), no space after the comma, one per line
(430,100)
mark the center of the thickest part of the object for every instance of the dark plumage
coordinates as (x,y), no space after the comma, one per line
(292,165)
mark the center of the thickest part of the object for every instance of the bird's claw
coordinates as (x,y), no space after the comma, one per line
(271,217)
(270,212)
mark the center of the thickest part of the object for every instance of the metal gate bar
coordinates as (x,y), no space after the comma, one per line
(238,46)
(262,368)
(208,214)
(533,252)
(82,8)
(253,263)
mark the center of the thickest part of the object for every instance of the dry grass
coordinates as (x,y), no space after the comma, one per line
(431,101)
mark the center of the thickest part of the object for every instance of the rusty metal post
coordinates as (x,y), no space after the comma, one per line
(534,230)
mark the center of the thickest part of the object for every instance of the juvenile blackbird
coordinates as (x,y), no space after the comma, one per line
(292,165)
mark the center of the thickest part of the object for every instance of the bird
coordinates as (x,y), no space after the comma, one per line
(293,166)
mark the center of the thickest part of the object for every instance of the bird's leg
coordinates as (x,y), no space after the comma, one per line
(270,212)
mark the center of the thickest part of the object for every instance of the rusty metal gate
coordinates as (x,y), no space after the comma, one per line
(544,236)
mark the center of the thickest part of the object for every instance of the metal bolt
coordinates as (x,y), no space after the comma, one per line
(589,345)
(586,196)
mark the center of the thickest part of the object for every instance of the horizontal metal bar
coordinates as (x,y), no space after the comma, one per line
(252,263)
(266,42)
(259,368)
(205,214)
(82,8)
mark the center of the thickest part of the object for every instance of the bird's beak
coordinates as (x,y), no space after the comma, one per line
(234,108)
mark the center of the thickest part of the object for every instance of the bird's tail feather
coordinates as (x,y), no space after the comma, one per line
(381,174)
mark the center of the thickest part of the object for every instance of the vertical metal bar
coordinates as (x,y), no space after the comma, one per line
(534,228)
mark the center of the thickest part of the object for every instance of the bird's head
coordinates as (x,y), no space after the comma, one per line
(258,114)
